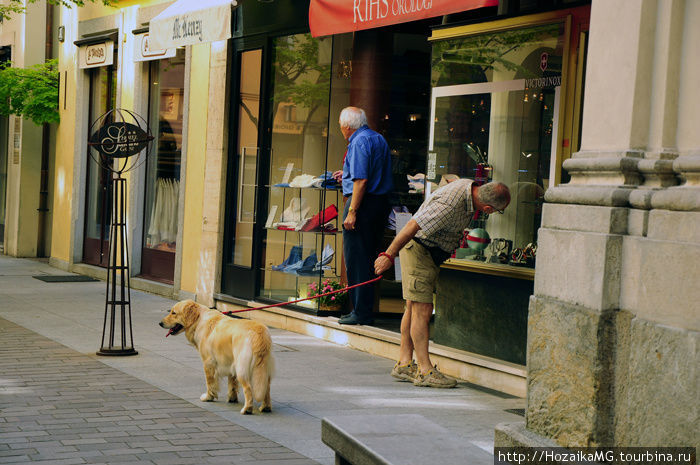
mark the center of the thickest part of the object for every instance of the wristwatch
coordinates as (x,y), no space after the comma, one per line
(350,209)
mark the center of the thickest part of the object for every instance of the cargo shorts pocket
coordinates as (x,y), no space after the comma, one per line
(421,282)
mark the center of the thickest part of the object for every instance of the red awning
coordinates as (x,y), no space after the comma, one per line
(328,17)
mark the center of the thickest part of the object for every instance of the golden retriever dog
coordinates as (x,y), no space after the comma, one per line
(238,349)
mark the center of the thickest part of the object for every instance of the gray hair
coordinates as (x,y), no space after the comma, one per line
(352,117)
(494,194)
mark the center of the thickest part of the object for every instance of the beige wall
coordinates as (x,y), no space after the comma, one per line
(194,184)
(132,92)
(26,34)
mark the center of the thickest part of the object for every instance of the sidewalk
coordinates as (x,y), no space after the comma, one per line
(313,379)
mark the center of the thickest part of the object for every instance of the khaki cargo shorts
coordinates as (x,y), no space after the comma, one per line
(418,273)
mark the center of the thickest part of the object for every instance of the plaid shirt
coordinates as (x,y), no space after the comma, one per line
(443,218)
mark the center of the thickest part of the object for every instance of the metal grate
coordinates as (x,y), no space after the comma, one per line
(75,278)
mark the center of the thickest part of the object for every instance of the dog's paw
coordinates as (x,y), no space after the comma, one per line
(206,397)
(233,400)
(247,411)
(265,409)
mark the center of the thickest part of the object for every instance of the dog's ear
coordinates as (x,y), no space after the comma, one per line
(190,313)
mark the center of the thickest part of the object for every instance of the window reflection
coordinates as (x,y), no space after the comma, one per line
(493,117)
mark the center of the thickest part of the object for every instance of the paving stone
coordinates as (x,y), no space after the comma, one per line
(68,424)
(62,379)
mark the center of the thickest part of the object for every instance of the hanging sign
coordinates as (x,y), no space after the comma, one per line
(188,22)
(119,139)
(327,17)
(143,52)
(96,55)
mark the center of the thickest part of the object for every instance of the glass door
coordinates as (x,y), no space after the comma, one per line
(98,201)
(167,78)
(240,276)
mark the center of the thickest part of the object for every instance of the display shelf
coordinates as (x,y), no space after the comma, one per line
(494,269)
(283,286)
(325,233)
(311,188)
(328,274)
(307,306)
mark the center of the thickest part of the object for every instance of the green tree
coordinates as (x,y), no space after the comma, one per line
(18,6)
(31,92)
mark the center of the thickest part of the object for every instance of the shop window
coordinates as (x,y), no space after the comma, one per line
(495,98)
(166,104)
(98,203)
(303,240)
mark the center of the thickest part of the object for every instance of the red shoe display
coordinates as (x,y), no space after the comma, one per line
(321,218)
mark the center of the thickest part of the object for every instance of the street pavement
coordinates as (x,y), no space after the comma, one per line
(62,404)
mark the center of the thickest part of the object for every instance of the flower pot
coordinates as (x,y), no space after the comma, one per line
(330,307)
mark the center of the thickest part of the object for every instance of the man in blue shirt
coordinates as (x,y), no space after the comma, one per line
(367,182)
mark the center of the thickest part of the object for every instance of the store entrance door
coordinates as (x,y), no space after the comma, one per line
(98,198)
(242,247)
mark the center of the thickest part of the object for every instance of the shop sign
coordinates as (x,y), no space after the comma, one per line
(119,139)
(96,55)
(186,22)
(145,53)
(327,17)
(549,81)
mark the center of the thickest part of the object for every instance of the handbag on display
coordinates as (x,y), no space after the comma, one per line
(320,218)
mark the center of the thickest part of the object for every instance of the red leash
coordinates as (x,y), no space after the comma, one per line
(307,298)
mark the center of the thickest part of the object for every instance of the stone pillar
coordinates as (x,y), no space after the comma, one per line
(613,325)
(210,254)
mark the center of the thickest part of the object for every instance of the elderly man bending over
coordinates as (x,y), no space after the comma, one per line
(425,242)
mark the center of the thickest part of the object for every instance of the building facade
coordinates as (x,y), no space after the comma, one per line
(245,128)
(541,95)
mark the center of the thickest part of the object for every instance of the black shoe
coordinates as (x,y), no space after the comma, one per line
(352,319)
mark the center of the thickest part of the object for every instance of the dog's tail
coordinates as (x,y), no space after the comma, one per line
(262,364)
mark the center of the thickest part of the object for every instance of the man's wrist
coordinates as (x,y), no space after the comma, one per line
(352,210)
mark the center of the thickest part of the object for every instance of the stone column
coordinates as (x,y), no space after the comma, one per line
(613,325)
(210,255)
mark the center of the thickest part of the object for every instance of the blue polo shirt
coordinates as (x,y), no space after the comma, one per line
(368,158)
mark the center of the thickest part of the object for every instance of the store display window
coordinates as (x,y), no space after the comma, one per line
(303,240)
(98,200)
(494,106)
(166,102)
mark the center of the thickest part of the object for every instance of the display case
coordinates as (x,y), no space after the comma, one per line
(302,239)
(494,112)
(303,247)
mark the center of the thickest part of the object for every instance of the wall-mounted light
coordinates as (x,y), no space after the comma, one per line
(61,33)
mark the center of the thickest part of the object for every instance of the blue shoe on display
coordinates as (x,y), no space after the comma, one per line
(294,257)
(307,268)
(326,255)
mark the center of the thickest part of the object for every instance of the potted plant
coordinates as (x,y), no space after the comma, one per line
(333,302)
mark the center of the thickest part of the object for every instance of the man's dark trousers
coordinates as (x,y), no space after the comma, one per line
(360,248)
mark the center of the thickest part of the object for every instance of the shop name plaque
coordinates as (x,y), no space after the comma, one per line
(119,140)
(550,81)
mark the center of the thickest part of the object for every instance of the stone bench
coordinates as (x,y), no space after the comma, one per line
(402,439)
